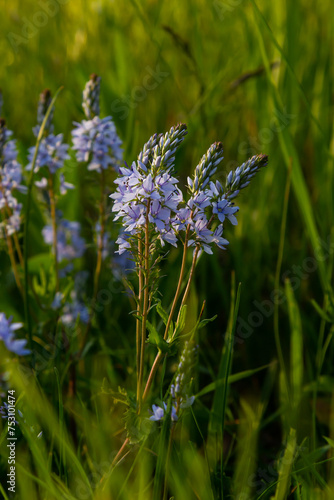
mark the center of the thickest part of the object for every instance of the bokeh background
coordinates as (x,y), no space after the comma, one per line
(256,76)
(258,83)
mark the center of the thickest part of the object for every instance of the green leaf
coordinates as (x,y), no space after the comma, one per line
(137,426)
(205,322)
(162,313)
(296,346)
(181,323)
(155,339)
(40,261)
(321,312)
(329,441)
(285,468)
(231,379)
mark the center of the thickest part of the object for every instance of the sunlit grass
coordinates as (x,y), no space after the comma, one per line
(267,434)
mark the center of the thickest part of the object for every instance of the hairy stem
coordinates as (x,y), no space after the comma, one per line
(13,262)
(145,302)
(54,227)
(139,312)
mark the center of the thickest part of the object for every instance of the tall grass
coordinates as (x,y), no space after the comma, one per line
(257,76)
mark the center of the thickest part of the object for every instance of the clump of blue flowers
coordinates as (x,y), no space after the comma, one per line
(95,140)
(154,211)
(7,335)
(70,244)
(148,193)
(10,181)
(52,151)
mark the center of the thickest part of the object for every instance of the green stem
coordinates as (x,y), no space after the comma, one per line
(191,275)
(54,227)
(145,303)
(102,210)
(139,312)
(150,379)
(26,227)
(178,289)
(13,262)
(277,276)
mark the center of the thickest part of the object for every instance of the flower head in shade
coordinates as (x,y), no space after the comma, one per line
(73,311)
(180,388)
(158,413)
(10,181)
(7,335)
(70,245)
(5,410)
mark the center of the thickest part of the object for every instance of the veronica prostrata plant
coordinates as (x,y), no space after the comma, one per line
(155,213)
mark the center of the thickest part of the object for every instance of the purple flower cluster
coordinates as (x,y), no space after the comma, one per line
(95,140)
(7,335)
(71,311)
(97,143)
(70,245)
(10,180)
(52,153)
(147,193)
(241,176)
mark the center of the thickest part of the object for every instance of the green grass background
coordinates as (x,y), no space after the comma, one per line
(257,76)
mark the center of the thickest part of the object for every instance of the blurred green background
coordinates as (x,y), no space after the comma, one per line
(256,76)
(220,68)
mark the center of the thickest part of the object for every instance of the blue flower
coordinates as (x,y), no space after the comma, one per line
(73,311)
(52,154)
(241,176)
(10,180)
(7,335)
(224,209)
(70,245)
(159,413)
(147,190)
(97,143)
